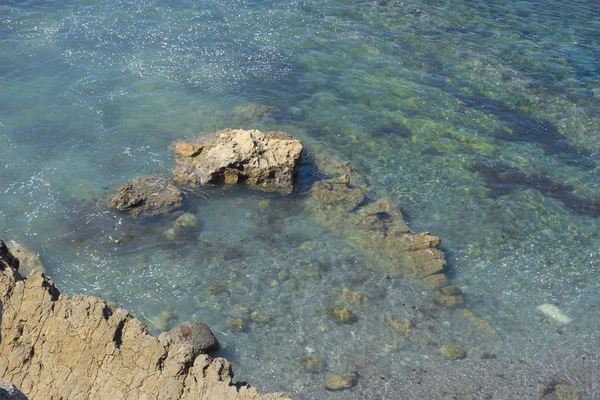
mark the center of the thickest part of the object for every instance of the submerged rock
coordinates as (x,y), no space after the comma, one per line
(54,346)
(268,160)
(29,262)
(452,351)
(7,259)
(339,314)
(147,196)
(338,381)
(553,313)
(313,364)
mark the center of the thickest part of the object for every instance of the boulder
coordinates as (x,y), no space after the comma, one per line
(54,346)
(268,160)
(194,336)
(147,196)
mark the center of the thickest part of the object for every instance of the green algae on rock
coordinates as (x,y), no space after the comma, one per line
(452,351)
(339,314)
(338,381)
(313,364)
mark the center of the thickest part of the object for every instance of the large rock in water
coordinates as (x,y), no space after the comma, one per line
(268,160)
(146,196)
(56,347)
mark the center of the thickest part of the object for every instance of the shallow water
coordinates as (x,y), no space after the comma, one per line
(480,120)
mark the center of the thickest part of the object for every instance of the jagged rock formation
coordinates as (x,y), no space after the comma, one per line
(146,196)
(379,230)
(53,346)
(268,160)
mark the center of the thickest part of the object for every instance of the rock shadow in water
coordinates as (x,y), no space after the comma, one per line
(502,179)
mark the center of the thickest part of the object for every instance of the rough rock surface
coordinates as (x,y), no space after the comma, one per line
(8,391)
(146,196)
(268,160)
(29,262)
(54,346)
(194,336)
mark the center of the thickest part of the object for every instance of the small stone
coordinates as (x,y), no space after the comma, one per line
(217,288)
(186,220)
(452,351)
(170,234)
(313,364)
(339,314)
(230,177)
(354,297)
(260,318)
(236,324)
(400,324)
(566,392)
(553,313)
(338,381)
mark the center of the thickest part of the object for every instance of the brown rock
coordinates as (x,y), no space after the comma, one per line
(54,346)
(188,149)
(338,381)
(146,196)
(267,160)
(194,336)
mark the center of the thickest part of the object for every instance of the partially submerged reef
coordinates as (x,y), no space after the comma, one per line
(80,346)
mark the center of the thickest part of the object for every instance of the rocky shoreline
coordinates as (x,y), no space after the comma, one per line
(80,347)
(56,346)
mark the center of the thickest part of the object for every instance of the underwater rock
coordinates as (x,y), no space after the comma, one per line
(266,160)
(8,391)
(553,313)
(335,195)
(236,324)
(29,262)
(452,351)
(260,318)
(338,381)
(7,259)
(186,220)
(54,346)
(147,196)
(563,391)
(339,314)
(195,336)
(313,364)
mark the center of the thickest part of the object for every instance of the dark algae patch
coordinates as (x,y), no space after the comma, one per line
(502,179)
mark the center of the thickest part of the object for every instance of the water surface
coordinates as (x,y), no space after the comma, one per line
(479,119)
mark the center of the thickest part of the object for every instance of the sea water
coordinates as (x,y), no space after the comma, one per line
(479,119)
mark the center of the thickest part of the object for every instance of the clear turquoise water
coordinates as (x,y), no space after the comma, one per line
(479,119)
